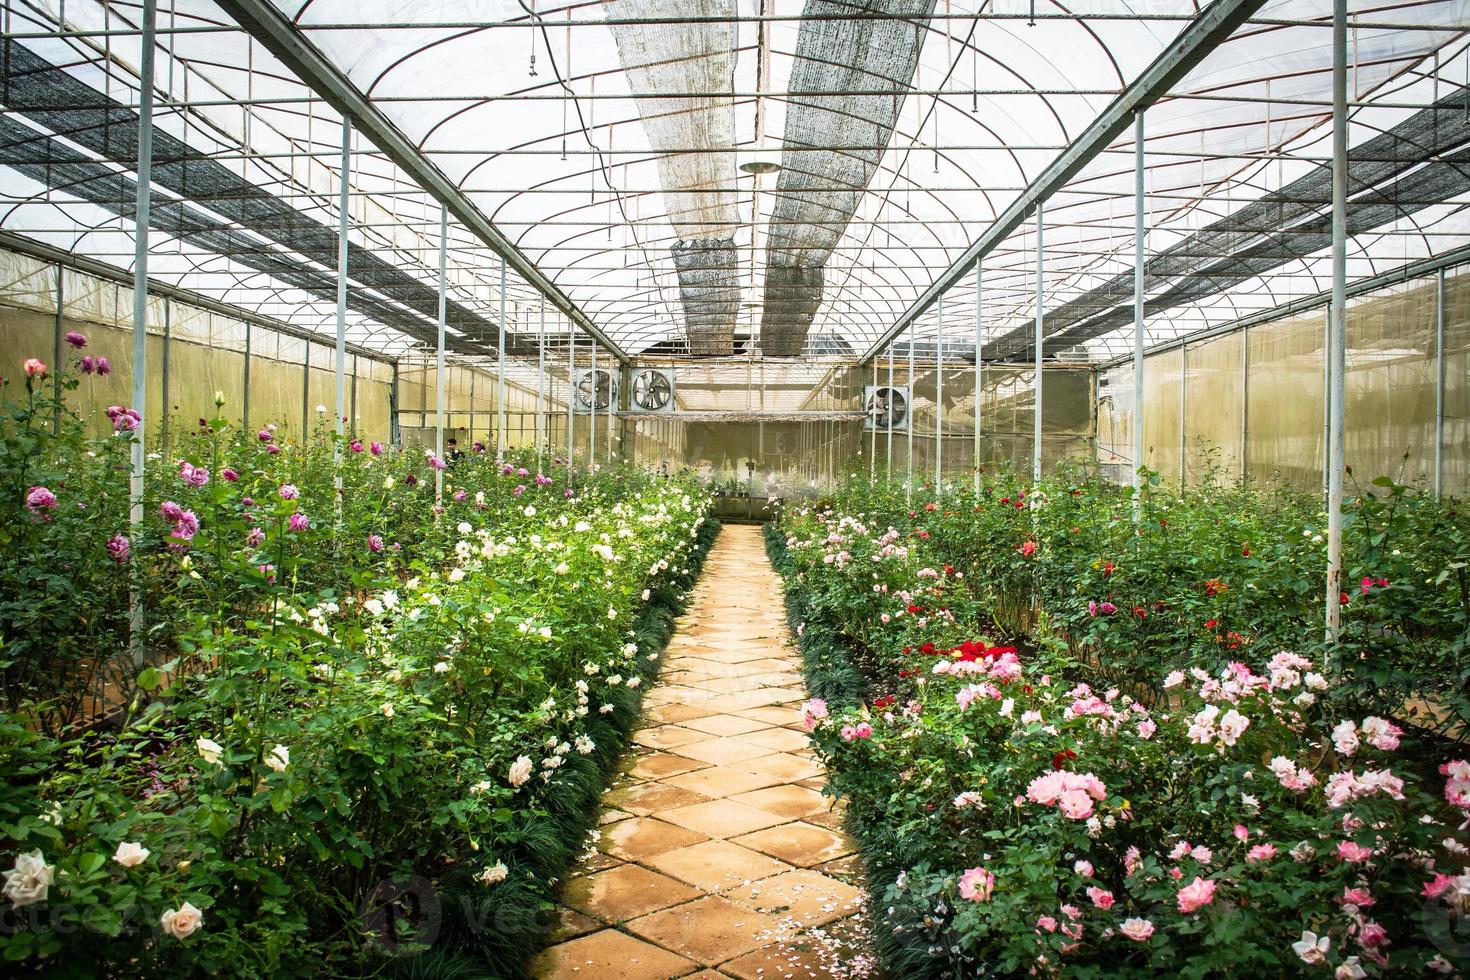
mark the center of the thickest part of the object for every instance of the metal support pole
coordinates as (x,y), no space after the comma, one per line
(908,404)
(1439,385)
(939,398)
(1139,232)
(439,358)
(909,487)
(1337,347)
(165,379)
(571,398)
(140,318)
(592,415)
(540,381)
(979,376)
(341,377)
(245,381)
(500,374)
(58,352)
(872,423)
(1040,262)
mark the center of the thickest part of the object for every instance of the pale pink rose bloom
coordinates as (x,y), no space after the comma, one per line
(1139,930)
(1196,895)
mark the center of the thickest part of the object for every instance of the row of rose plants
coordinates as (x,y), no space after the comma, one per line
(1219,809)
(363,732)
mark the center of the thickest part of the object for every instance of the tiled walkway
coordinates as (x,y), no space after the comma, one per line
(718,856)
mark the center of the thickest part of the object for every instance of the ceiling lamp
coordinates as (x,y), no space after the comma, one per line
(761,161)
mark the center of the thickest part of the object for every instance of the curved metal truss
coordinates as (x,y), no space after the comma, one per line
(608,156)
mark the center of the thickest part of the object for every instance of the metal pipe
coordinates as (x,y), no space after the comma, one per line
(571,397)
(939,399)
(245,381)
(439,360)
(140,320)
(58,350)
(540,382)
(979,373)
(500,374)
(592,415)
(341,376)
(1337,347)
(1138,258)
(165,379)
(1040,337)
(907,406)
(872,425)
(1439,385)
(909,488)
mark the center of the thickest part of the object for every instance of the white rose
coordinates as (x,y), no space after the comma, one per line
(530,510)
(130,854)
(28,883)
(279,758)
(464,527)
(209,750)
(441,667)
(520,771)
(494,874)
(181,922)
(387,709)
(562,569)
(456,574)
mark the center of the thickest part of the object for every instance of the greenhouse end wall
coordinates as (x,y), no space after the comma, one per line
(1248,404)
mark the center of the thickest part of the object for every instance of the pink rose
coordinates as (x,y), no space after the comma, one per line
(1354,853)
(1261,852)
(977,885)
(1075,804)
(1101,897)
(1196,895)
(1138,930)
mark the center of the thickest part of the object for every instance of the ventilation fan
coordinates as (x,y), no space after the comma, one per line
(653,391)
(886,407)
(597,390)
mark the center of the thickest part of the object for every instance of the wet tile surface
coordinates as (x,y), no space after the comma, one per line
(718,855)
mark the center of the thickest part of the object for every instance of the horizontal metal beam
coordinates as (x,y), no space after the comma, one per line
(273,30)
(1317,301)
(115,273)
(1207,31)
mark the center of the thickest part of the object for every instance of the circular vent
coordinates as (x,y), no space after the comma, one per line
(887,407)
(595,390)
(652,391)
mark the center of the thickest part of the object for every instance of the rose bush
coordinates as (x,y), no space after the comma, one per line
(1118,794)
(365,725)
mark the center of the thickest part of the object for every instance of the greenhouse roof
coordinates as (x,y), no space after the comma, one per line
(607,150)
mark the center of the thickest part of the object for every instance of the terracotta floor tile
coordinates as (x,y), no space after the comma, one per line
(669,713)
(625,892)
(806,897)
(646,799)
(726,725)
(667,737)
(787,800)
(595,862)
(570,924)
(716,865)
(745,700)
(721,818)
(640,838)
(660,765)
(720,781)
(723,751)
(606,955)
(710,930)
(612,816)
(802,958)
(784,767)
(779,739)
(773,715)
(848,869)
(797,843)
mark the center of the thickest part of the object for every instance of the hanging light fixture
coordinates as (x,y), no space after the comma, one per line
(762,160)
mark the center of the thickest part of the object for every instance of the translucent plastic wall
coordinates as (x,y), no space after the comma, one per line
(287,377)
(1249,403)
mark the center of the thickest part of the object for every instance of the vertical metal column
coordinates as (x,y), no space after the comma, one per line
(140,315)
(979,362)
(571,396)
(341,376)
(245,382)
(1138,257)
(500,373)
(592,414)
(873,426)
(1439,385)
(58,351)
(1040,295)
(939,399)
(908,404)
(163,402)
(909,488)
(439,358)
(540,381)
(1337,337)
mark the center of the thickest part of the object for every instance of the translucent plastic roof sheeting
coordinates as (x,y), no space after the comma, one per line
(528,108)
